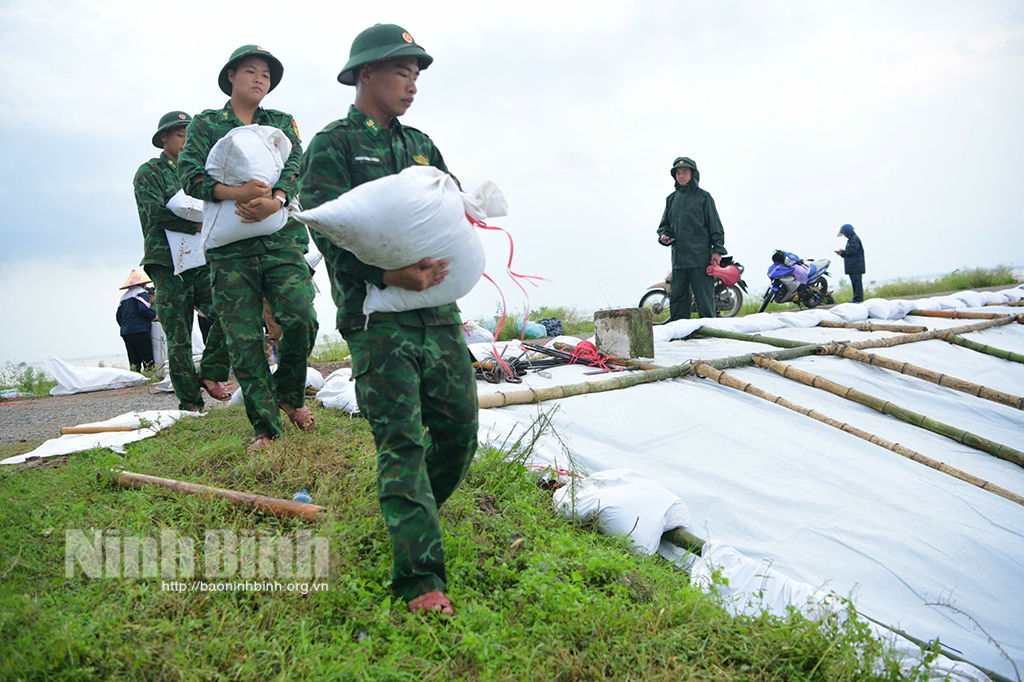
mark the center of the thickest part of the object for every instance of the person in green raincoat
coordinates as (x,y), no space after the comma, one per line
(691,226)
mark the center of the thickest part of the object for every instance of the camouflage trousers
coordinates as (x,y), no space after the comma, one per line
(176,296)
(239,287)
(415,386)
(703,287)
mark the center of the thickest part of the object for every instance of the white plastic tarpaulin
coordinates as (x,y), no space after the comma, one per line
(912,547)
(143,425)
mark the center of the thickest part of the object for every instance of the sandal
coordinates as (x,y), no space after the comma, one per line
(432,602)
(260,442)
(214,389)
(302,417)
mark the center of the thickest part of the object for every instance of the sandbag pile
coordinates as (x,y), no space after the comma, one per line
(252,152)
(398,220)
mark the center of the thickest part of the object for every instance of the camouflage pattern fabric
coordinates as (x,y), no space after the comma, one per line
(412,369)
(697,280)
(409,379)
(203,132)
(176,296)
(345,154)
(156,182)
(239,287)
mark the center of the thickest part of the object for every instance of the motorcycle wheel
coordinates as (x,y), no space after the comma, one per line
(816,292)
(658,301)
(729,301)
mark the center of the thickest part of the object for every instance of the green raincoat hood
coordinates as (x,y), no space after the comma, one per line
(686,162)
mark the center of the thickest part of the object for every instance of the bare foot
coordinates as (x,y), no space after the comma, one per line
(432,602)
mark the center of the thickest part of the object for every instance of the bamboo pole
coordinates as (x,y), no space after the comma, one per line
(828,349)
(931,376)
(875,327)
(681,538)
(68,430)
(270,505)
(708,372)
(959,314)
(884,406)
(1008,303)
(756,338)
(982,348)
(538,395)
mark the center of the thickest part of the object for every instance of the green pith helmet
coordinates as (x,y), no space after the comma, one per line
(172,119)
(682,162)
(276,68)
(380,42)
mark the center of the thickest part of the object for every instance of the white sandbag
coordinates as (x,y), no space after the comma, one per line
(339,391)
(158,338)
(314,379)
(252,152)
(486,201)
(72,379)
(474,332)
(186,250)
(398,220)
(625,503)
(184,206)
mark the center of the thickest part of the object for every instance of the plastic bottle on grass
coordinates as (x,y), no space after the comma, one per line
(303,497)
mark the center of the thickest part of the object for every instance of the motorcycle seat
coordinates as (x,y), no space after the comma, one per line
(817,266)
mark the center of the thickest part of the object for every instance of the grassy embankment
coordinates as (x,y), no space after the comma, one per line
(538,598)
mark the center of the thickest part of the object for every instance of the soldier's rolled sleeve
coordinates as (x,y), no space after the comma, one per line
(289,180)
(192,162)
(324,176)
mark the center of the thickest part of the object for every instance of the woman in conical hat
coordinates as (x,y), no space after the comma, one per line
(135,315)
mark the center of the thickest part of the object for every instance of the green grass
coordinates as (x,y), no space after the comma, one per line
(332,349)
(573,321)
(537,597)
(26,379)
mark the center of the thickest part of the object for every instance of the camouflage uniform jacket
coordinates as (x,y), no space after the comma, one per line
(203,132)
(156,182)
(345,154)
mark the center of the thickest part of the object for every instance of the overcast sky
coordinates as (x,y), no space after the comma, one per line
(902,118)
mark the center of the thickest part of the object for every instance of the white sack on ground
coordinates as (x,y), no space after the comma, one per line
(339,391)
(72,379)
(252,152)
(625,503)
(474,332)
(398,220)
(79,442)
(314,379)
(748,587)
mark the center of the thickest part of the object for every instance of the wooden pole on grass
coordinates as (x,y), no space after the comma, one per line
(884,406)
(982,348)
(708,372)
(931,376)
(70,430)
(270,505)
(875,327)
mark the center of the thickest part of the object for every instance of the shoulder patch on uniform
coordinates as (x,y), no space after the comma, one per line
(420,159)
(295,129)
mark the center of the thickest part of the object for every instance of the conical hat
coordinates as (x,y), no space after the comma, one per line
(136,279)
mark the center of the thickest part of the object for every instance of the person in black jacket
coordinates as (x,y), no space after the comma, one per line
(135,314)
(853,260)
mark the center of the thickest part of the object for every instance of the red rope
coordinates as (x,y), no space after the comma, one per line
(587,351)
